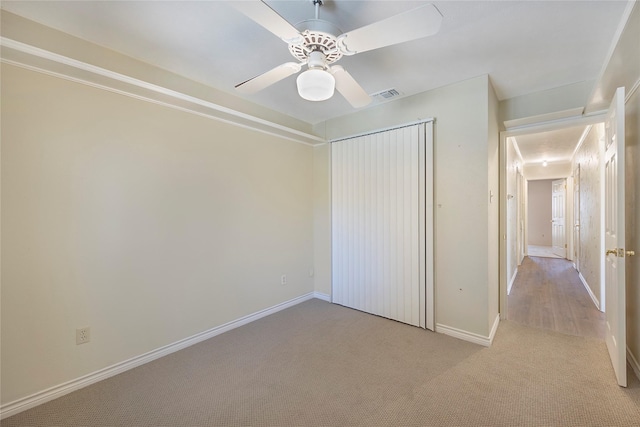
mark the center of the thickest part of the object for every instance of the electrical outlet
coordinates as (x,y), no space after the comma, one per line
(283,279)
(83,335)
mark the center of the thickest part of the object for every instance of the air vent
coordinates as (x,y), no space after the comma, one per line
(386,94)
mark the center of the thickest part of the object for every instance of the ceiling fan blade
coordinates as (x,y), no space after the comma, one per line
(270,77)
(410,25)
(349,88)
(261,13)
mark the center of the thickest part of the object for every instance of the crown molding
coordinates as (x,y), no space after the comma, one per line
(40,60)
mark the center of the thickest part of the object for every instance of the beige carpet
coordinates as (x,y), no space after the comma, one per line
(326,365)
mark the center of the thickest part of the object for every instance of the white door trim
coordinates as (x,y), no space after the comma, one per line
(533,128)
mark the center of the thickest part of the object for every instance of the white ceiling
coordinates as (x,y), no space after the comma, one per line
(555,146)
(525,46)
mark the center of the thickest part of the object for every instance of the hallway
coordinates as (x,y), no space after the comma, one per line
(548,294)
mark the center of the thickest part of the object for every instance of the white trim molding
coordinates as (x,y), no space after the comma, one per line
(543,118)
(494,328)
(322,296)
(633,362)
(586,286)
(17,406)
(470,336)
(632,91)
(513,279)
(40,60)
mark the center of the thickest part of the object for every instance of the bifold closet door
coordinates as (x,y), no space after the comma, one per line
(381,236)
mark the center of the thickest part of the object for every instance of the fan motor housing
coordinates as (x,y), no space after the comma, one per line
(318,35)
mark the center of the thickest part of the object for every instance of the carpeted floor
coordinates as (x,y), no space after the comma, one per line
(326,365)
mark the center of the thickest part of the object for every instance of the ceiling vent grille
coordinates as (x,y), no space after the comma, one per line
(386,94)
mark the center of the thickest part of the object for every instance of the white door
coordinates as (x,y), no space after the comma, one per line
(576,217)
(558,239)
(382,224)
(614,237)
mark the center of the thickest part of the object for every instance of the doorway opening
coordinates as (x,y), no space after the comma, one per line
(551,182)
(601,148)
(546,218)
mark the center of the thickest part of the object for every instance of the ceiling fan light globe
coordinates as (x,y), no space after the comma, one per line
(316,85)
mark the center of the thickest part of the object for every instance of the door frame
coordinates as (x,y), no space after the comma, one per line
(554,216)
(576,218)
(516,131)
(521,249)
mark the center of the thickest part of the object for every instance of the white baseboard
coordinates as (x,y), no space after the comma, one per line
(586,286)
(513,279)
(494,329)
(54,392)
(323,297)
(633,362)
(469,336)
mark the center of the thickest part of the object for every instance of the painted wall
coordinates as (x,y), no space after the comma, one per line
(539,212)
(145,223)
(623,68)
(322,218)
(513,168)
(589,157)
(23,30)
(463,180)
(493,208)
(548,101)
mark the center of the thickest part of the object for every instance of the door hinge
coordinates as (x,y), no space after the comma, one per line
(565,246)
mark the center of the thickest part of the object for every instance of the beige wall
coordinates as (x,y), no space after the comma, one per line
(322,218)
(493,213)
(465,161)
(539,212)
(145,223)
(23,30)
(545,102)
(589,157)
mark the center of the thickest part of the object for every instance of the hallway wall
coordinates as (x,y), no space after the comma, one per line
(539,212)
(588,157)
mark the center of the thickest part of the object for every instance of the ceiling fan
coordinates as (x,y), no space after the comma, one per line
(318,44)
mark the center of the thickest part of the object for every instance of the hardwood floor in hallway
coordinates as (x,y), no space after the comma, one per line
(547,293)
